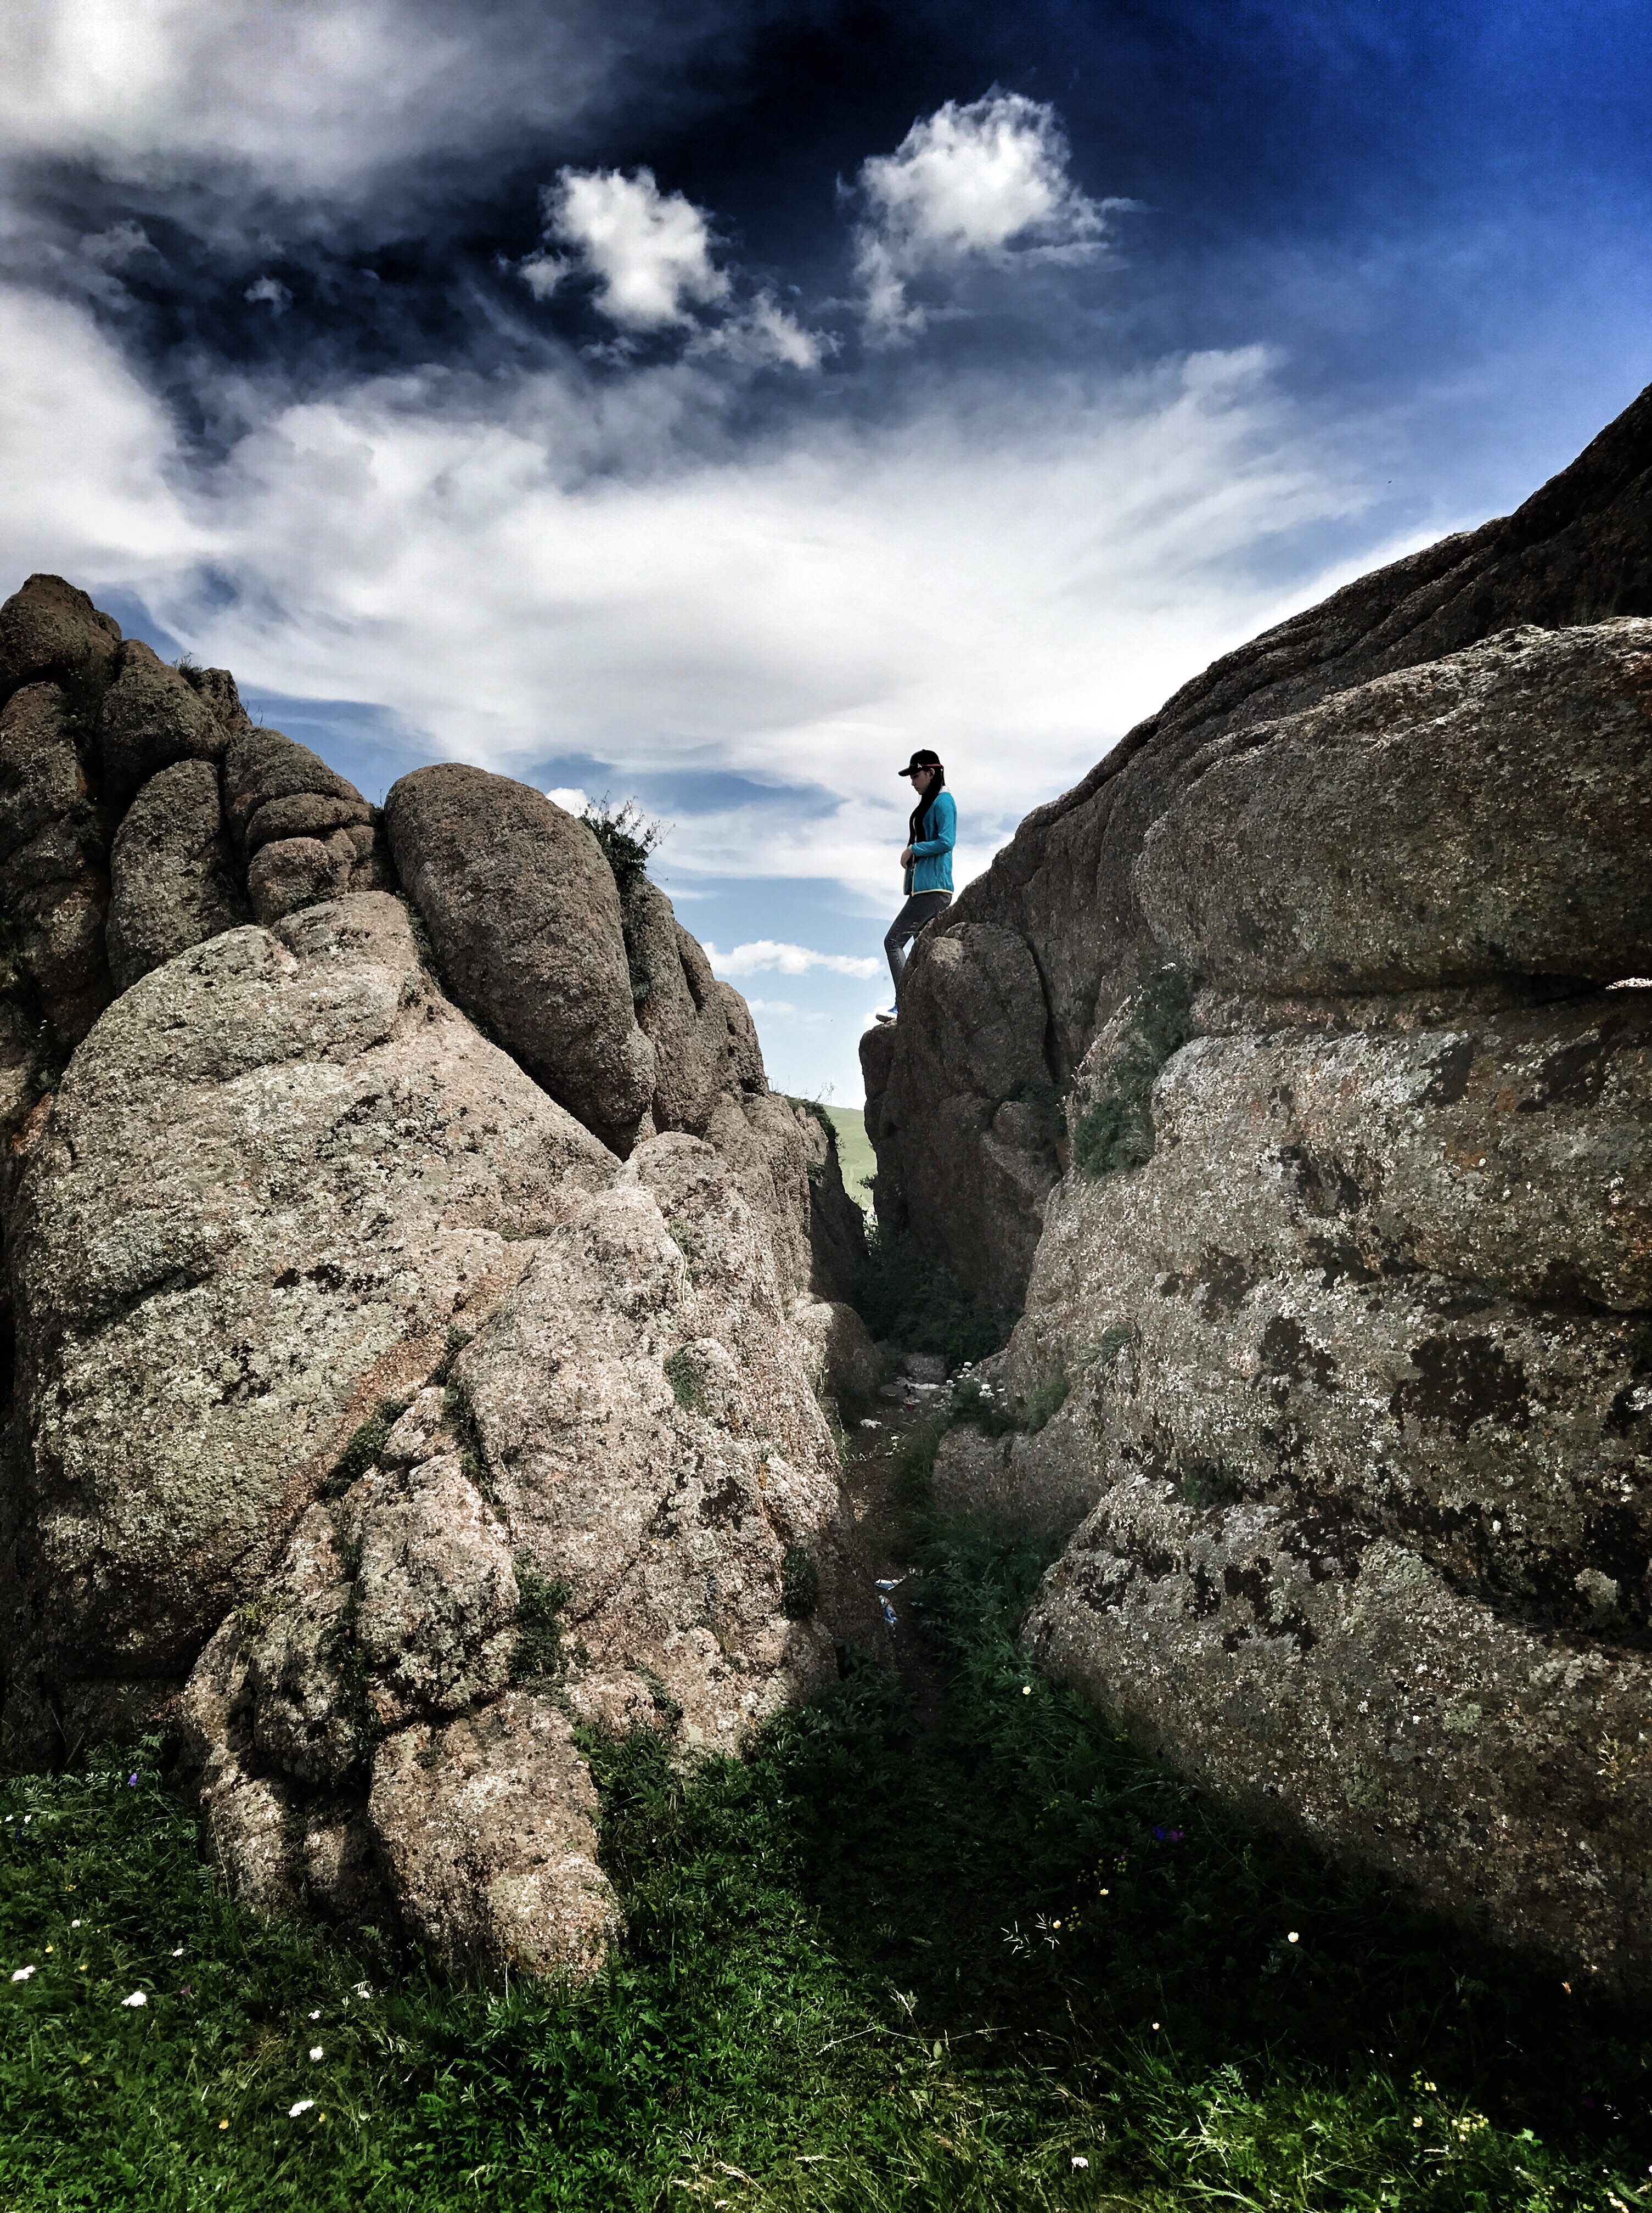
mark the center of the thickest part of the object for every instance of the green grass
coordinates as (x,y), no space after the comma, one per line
(865,1968)
(856,1157)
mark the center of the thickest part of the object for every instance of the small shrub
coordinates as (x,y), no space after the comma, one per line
(687,1386)
(457,1340)
(84,691)
(627,837)
(537,1655)
(800,1583)
(473,1454)
(995,1417)
(365,1445)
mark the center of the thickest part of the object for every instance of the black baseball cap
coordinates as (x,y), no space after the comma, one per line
(923,759)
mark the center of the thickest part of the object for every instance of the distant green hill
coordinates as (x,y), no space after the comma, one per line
(854,1153)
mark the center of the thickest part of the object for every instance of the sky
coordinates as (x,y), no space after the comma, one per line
(708,404)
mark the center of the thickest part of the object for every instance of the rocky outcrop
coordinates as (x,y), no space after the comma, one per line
(367,1417)
(551,984)
(1348,1283)
(1067,887)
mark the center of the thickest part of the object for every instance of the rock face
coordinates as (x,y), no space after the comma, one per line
(1348,1279)
(367,1417)
(276,1174)
(524,916)
(1579,552)
(173,877)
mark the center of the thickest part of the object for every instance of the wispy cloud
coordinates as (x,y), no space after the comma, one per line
(766,953)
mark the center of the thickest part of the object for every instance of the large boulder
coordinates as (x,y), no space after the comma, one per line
(278,1172)
(1579,552)
(524,917)
(1358,1370)
(1488,815)
(50,631)
(151,717)
(173,876)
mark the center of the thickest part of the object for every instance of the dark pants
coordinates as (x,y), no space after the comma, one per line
(921,907)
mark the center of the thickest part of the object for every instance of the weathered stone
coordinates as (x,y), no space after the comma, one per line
(53,854)
(278,1170)
(837,1227)
(261,766)
(1379,1295)
(525,919)
(298,872)
(655,1444)
(488,1829)
(172,877)
(305,815)
(152,718)
(1485,815)
(41,774)
(680,1012)
(436,1593)
(1040,1485)
(50,630)
(843,1361)
(959,1074)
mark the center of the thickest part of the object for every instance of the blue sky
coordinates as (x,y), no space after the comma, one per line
(711,402)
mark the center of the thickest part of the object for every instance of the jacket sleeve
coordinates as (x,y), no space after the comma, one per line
(942,819)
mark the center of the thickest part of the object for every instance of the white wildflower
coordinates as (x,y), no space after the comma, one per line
(137,1998)
(316,2051)
(1291,1938)
(22,1974)
(178,1952)
(302,2106)
(1079,2160)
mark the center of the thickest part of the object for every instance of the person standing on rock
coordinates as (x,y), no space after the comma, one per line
(926,860)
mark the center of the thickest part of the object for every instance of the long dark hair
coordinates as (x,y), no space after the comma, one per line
(915,827)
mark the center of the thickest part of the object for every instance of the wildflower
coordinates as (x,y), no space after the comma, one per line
(178,1952)
(316,2051)
(131,1782)
(1291,1938)
(1080,2162)
(1026,1689)
(223,2124)
(1155,2024)
(74,1924)
(1417,2123)
(22,1974)
(302,2106)
(316,2016)
(137,1998)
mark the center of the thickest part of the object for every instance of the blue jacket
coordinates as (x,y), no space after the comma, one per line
(931,868)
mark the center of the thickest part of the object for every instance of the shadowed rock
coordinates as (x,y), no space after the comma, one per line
(150,718)
(525,919)
(172,877)
(50,631)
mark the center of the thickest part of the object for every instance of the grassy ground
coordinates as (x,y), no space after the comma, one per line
(1002,1963)
(854,1154)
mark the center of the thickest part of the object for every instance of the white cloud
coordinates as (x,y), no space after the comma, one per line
(270,292)
(770,1006)
(986,182)
(91,464)
(650,250)
(590,566)
(764,953)
(569,798)
(317,96)
(651,253)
